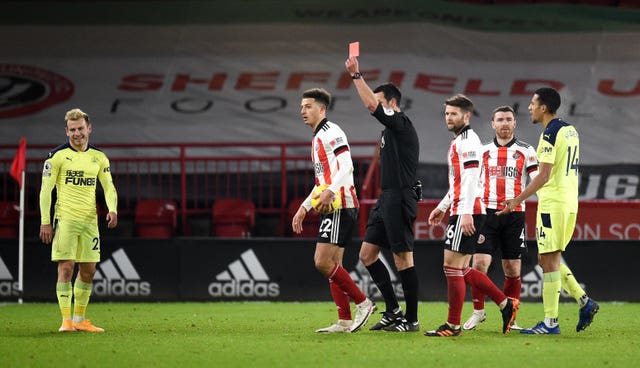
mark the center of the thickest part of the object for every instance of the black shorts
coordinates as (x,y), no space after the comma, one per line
(505,233)
(390,224)
(456,241)
(337,227)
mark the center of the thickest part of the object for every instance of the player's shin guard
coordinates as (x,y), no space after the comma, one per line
(481,281)
(456,289)
(342,278)
(551,293)
(341,299)
(81,294)
(477,298)
(569,283)
(512,287)
(64,294)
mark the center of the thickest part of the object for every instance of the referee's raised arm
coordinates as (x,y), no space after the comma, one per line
(366,94)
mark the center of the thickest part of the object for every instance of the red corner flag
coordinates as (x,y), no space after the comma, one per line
(19,162)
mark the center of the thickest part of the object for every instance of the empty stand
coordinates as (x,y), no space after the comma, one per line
(311,222)
(9,219)
(233,217)
(631,4)
(598,2)
(155,218)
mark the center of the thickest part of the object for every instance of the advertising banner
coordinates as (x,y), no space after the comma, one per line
(242,83)
(209,269)
(597,220)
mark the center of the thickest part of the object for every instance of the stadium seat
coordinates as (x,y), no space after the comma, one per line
(498,2)
(630,4)
(233,218)
(598,2)
(474,1)
(9,219)
(311,222)
(155,218)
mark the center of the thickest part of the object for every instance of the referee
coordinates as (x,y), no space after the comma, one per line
(390,223)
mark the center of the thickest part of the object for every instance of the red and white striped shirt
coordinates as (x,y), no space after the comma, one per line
(332,163)
(506,169)
(465,184)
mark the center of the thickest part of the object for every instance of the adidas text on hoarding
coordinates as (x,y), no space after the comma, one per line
(8,287)
(118,277)
(364,281)
(532,285)
(245,277)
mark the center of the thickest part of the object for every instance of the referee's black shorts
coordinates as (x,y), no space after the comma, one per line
(390,223)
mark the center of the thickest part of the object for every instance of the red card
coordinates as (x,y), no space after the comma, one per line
(354,49)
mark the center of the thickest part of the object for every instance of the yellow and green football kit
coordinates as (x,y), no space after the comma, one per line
(75,175)
(558,199)
(558,209)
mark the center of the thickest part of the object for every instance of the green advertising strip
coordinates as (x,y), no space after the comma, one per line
(512,18)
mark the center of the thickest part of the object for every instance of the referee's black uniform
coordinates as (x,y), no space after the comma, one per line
(390,223)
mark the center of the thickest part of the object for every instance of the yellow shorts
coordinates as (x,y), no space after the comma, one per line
(554,231)
(77,241)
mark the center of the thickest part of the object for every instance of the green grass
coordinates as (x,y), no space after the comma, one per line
(281,334)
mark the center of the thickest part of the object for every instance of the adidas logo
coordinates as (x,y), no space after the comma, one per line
(364,281)
(118,277)
(245,277)
(7,286)
(532,284)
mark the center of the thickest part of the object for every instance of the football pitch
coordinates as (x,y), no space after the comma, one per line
(278,334)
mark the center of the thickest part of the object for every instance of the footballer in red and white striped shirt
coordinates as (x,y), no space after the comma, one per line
(507,163)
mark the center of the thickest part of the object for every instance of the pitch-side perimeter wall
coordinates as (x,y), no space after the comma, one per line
(208,269)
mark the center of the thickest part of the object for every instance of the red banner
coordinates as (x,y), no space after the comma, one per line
(597,220)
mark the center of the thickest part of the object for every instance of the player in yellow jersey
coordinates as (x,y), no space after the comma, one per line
(557,187)
(74,169)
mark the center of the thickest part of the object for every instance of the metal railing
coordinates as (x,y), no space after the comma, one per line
(195,174)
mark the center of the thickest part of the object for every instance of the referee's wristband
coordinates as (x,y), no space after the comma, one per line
(356,75)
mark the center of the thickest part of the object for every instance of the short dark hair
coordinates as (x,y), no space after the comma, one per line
(550,97)
(319,94)
(461,101)
(504,108)
(389,90)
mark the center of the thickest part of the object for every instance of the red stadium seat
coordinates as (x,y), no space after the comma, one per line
(311,222)
(474,1)
(512,1)
(598,2)
(630,4)
(233,218)
(155,218)
(9,219)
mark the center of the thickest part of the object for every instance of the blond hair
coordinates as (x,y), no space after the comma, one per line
(76,114)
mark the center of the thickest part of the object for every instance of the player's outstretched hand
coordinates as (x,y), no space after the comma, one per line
(509,206)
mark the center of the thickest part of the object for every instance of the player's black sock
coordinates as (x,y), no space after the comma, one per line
(380,276)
